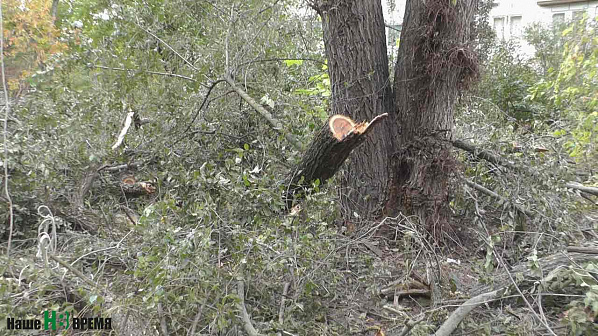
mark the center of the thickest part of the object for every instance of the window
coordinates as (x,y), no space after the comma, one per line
(578,15)
(515,26)
(558,18)
(499,27)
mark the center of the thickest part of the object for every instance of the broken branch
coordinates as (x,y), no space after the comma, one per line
(247,325)
(328,151)
(580,187)
(458,315)
(491,193)
(124,130)
(274,123)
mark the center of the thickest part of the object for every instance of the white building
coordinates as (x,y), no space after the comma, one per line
(510,17)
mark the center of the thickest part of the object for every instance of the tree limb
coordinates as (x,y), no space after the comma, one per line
(582,249)
(163,325)
(504,279)
(484,154)
(589,190)
(124,130)
(274,123)
(458,315)
(327,152)
(247,325)
(489,192)
(285,290)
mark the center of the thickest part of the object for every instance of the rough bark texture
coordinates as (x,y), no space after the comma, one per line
(326,154)
(406,164)
(355,43)
(433,63)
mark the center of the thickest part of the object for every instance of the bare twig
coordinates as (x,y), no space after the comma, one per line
(205,103)
(5,139)
(391,27)
(76,272)
(168,46)
(247,325)
(146,71)
(582,249)
(514,283)
(280,60)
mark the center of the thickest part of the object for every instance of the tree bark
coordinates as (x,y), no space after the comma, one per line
(355,43)
(434,62)
(405,166)
(326,154)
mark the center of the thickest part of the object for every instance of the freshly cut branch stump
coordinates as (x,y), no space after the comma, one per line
(327,152)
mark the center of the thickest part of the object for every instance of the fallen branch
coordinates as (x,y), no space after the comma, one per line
(458,315)
(484,154)
(504,280)
(409,325)
(247,325)
(580,187)
(491,193)
(529,275)
(582,249)
(274,123)
(124,130)
(205,103)
(76,272)
(497,160)
(163,326)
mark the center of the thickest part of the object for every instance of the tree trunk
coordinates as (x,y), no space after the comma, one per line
(433,64)
(54,9)
(355,43)
(406,164)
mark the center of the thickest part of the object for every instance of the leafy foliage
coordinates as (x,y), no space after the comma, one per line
(31,38)
(569,90)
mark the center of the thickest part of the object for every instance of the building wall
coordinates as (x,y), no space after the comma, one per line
(509,18)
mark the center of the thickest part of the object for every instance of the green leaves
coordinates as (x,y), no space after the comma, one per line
(290,63)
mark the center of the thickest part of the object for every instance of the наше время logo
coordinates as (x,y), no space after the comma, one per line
(54,321)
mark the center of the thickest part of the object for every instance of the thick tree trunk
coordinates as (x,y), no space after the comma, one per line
(406,164)
(355,43)
(433,63)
